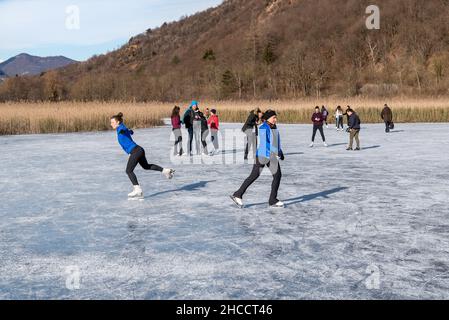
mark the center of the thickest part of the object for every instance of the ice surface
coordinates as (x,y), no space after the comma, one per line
(373,224)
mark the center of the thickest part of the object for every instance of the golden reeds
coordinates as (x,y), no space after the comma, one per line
(31,118)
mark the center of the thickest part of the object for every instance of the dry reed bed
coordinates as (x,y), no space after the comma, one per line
(32,118)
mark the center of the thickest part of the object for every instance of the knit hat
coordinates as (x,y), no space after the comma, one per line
(268,114)
(194,103)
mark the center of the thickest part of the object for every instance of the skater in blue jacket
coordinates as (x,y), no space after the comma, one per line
(136,155)
(268,154)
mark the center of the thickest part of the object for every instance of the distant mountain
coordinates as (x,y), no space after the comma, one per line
(25,64)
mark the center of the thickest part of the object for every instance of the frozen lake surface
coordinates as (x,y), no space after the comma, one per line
(367,225)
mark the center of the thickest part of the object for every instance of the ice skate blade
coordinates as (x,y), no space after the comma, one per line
(136,198)
(238,205)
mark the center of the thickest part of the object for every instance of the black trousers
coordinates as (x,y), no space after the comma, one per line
(315,129)
(275,169)
(387,126)
(138,157)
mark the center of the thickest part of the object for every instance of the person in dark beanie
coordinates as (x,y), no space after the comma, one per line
(387,117)
(268,154)
(318,120)
(250,130)
(354,129)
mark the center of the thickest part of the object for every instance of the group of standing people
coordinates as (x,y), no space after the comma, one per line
(259,125)
(319,119)
(199,125)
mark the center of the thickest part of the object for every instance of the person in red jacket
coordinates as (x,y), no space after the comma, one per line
(214,125)
(318,120)
(176,124)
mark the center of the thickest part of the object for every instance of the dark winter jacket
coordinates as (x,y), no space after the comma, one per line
(187,119)
(318,119)
(325,113)
(204,126)
(354,122)
(387,114)
(251,122)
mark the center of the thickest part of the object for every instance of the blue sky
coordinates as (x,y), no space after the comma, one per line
(51,28)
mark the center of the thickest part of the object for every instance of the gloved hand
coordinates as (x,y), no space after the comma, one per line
(281,156)
(348,130)
(131,132)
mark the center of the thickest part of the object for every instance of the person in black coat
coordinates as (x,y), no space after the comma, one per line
(204,132)
(353,129)
(387,117)
(251,131)
(346,114)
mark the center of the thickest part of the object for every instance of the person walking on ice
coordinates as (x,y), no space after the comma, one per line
(318,120)
(268,154)
(136,156)
(354,129)
(387,117)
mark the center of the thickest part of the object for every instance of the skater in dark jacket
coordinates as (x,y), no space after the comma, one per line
(354,129)
(204,132)
(387,117)
(268,154)
(325,114)
(346,114)
(136,155)
(250,130)
(187,120)
(318,120)
(176,125)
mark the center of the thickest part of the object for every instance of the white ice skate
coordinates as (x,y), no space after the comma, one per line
(311,145)
(237,201)
(325,144)
(137,194)
(279,204)
(168,173)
